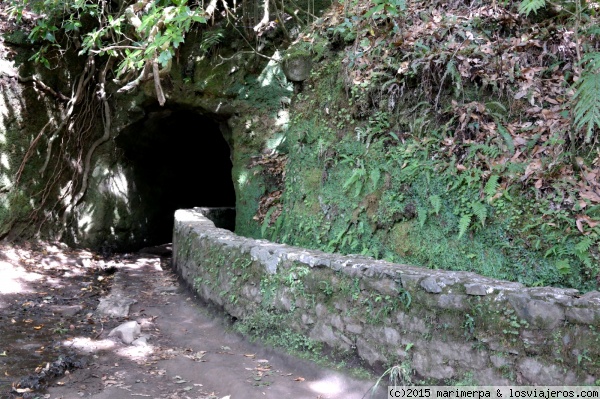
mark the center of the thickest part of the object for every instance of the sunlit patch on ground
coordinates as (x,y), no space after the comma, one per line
(91,346)
(330,385)
(15,279)
(88,345)
(47,295)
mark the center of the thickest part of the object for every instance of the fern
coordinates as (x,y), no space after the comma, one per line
(528,6)
(584,245)
(480,211)
(422,215)
(491,187)
(211,39)
(356,179)
(463,224)
(507,138)
(375,175)
(582,251)
(587,101)
(456,78)
(563,267)
(266,222)
(436,203)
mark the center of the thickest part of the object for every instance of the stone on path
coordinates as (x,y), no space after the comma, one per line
(126,332)
(115,306)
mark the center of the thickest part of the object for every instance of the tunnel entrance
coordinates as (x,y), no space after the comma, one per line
(179,159)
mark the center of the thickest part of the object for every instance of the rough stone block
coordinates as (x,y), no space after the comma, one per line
(410,281)
(324,333)
(582,315)
(354,328)
(536,372)
(321,311)
(427,365)
(411,323)
(478,289)
(385,286)
(306,319)
(499,361)
(451,301)
(537,313)
(392,337)
(369,353)
(430,285)
(336,321)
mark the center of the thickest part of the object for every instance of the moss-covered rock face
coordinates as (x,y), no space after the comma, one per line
(297,66)
(382,164)
(200,149)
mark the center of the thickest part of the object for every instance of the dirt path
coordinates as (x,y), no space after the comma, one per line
(188,351)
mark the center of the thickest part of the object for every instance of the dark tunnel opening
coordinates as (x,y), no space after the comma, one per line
(179,159)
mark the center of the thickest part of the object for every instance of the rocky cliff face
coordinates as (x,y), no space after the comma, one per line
(199,149)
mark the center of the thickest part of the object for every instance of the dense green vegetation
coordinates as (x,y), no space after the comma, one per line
(458,136)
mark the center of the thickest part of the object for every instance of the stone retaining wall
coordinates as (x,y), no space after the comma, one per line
(443,325)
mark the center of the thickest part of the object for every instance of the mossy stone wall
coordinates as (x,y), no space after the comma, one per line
(447,326)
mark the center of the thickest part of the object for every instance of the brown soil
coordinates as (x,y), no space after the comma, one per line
(52,336)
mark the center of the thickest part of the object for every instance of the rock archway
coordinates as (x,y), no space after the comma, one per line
(177,158)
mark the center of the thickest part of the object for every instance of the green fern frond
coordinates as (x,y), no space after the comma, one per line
(582,251)
(463,224)
(422,215)
(436,203)
(584,245)
(528,6)
(375,175)
(211,39)
(266,222)
(491,187)
(587,103)
(480,210)
(507,138)
(456,78)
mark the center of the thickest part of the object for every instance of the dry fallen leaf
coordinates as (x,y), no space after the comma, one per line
(299,379)
(584,218)
(590,195)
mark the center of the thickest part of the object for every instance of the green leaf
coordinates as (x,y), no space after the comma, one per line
(422,215)
(563,267)
(528,6)
(491,187)
(265,224)
(587,103)
(164,57)
(463,224)
(584,245)
(375,9)
(375,176)
(436,203)
(480,210)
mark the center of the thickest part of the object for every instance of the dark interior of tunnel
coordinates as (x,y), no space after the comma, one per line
(179,159)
